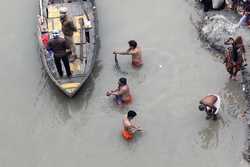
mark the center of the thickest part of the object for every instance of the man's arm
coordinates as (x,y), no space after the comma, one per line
(72,25)
(123,53)
(214,109)
(132,52)
(66,44)
(67,47)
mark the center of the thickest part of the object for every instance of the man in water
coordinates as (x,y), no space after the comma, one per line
(122,93)
(129,127)
(211,105)
(68,29)
(135,52)
(61,50)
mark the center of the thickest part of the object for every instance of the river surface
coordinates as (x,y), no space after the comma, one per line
(39,127)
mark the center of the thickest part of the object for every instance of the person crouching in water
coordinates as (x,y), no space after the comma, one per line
(129,126)
(211,105)
(134,51)
(234,56)
(122,93)
(61,50)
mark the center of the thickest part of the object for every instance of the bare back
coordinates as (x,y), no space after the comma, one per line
(136,54)
(126,123)
(209,100)
(124,91)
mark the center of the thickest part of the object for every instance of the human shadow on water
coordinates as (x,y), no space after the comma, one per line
(209,136)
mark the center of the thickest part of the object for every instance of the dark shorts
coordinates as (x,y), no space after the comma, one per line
(119,100)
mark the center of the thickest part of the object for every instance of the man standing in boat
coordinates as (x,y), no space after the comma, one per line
(68,29)
(61,50)
(135,52)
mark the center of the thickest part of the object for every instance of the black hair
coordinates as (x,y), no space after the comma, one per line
(202,107)
(131,114)
(228,41)
(123,81)
(132,43)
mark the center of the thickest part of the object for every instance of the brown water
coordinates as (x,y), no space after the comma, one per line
(42,128)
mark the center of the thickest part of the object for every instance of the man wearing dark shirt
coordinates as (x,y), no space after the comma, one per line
(60,48)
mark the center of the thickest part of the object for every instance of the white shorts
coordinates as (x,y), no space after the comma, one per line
(217,103)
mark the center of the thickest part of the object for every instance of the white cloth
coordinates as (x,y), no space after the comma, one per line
(217,103)
(217,3)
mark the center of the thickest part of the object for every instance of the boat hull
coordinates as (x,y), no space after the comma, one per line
(85,42)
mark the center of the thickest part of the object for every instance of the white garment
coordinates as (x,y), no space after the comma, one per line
(217,3)
(217,103)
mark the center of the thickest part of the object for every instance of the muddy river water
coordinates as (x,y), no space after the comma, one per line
(42,128)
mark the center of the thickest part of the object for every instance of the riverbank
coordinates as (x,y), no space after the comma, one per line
(214,28)
(43,128)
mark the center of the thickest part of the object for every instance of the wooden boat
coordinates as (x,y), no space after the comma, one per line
(83,13)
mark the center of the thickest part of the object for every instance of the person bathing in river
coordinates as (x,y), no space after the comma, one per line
(235,56)
(122,93)
(129,126)
(211,105)
(134,51)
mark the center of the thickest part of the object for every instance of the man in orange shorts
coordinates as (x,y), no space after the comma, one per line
(135,52)
(122,93)
(129,126)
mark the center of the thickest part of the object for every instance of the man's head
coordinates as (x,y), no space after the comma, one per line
(229,41)
(132,44)
(63,11)
(122,81)
(131,114)
(202,107)
(55,34)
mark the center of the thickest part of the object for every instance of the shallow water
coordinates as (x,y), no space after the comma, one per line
(41,127)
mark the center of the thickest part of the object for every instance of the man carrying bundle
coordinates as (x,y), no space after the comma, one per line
(68,29)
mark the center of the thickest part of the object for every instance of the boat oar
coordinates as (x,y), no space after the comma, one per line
(118,66)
